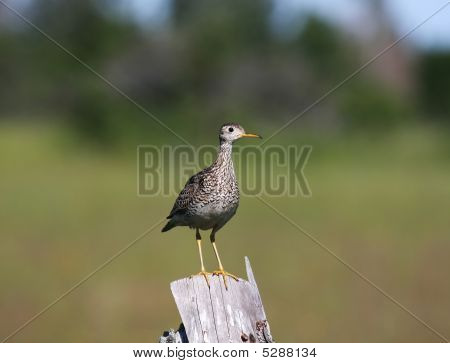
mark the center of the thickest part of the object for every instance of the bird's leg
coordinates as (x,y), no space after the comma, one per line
(221,270)
(199,244)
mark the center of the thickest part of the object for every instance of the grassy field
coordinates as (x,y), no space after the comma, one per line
(381,203)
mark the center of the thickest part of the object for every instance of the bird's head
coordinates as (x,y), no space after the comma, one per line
(230,132)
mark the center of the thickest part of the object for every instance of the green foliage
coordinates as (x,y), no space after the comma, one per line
(367,106)
(212,61)
(328,54)
(83,28)
(435,84)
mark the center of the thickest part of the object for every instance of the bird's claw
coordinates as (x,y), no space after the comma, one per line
(225,274)
(205,275)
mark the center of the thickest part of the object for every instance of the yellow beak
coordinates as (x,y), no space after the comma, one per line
(251,135)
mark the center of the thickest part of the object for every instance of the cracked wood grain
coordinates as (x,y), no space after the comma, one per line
(216,314)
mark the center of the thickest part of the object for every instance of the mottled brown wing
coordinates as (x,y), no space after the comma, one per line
(186,195)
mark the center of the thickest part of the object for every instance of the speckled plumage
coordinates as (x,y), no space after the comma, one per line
(211,197)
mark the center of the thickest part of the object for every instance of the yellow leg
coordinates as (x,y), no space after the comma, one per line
(221,270)
(202,271)
(199,244)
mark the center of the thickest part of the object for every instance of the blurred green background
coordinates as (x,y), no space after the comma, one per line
(379,171)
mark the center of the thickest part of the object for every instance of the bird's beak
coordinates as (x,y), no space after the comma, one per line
(251,135)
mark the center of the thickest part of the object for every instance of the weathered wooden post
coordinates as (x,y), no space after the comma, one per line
(217,315)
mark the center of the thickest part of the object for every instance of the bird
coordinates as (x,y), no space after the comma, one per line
(210,198)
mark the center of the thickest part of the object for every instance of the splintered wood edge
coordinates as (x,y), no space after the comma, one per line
(194,327)
(248,268)
(251,279)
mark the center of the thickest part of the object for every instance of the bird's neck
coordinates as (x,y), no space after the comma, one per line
(224,159)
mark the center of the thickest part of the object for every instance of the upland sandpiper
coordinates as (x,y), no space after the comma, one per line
(211,197)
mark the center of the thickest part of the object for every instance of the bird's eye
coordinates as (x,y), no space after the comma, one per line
(230,129)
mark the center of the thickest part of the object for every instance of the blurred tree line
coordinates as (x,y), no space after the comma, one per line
(210,61)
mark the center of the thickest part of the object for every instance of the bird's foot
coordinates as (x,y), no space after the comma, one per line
(225,274)
(204,274)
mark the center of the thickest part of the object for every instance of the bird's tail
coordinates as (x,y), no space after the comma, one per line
(169,226)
